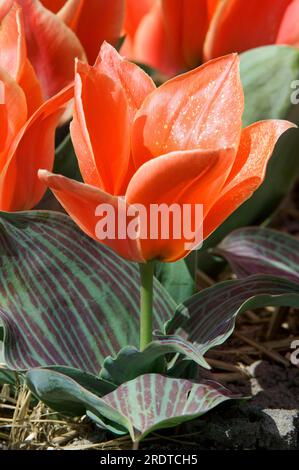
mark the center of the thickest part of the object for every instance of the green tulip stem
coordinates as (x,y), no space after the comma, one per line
(146,303)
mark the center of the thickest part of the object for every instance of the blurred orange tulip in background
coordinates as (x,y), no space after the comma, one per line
(14,59)
(26,143)
(170,33)
(239,26)
(176,35)
(37,46)
(180,143)
(28,120)
(93,21)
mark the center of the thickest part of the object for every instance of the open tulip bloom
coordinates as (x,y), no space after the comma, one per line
(139,146)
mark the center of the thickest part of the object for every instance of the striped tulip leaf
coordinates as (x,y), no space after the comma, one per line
(130,362)
(64,298)
(138,407)
(207,319)
(257,250)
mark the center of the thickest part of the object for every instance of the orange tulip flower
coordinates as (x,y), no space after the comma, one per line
(93,21)
(239,26)
(180,143)
(176,35)
(26,143)
(170,35)
(37,46)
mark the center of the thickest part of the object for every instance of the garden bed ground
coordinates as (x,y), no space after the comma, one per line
(255,361)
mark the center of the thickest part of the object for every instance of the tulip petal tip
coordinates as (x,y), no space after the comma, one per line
(43,174)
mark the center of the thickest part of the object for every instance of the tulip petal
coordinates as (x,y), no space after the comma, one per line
(94,21)
(53,5)
(240,25)
(186,24)
(248,172)
(171,35)
(13,57)
(135,11)
(70,13)
(33,147)
(12,43)
(212,7)
(289,28)
(81,202)
(184,177)
(100,129)
(13,112)
(150,43)
(5,7)
(30,85)
(200,109)
(135,82)
(3,119)
(52,47)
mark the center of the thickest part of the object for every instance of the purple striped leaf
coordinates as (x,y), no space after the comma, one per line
(65,299)
(207,319)
(256,250)
(138,407)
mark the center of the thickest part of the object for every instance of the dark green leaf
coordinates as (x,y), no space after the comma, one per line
(66,162)
(130,362)
(8,376)
(176,279)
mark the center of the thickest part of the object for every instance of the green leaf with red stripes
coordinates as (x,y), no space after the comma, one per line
(138,407)
(257,250)
(207,319)
(64,298)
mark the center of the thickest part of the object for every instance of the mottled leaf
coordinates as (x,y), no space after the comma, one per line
(65,299)
(140,406)
(257,250)
(208,318)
